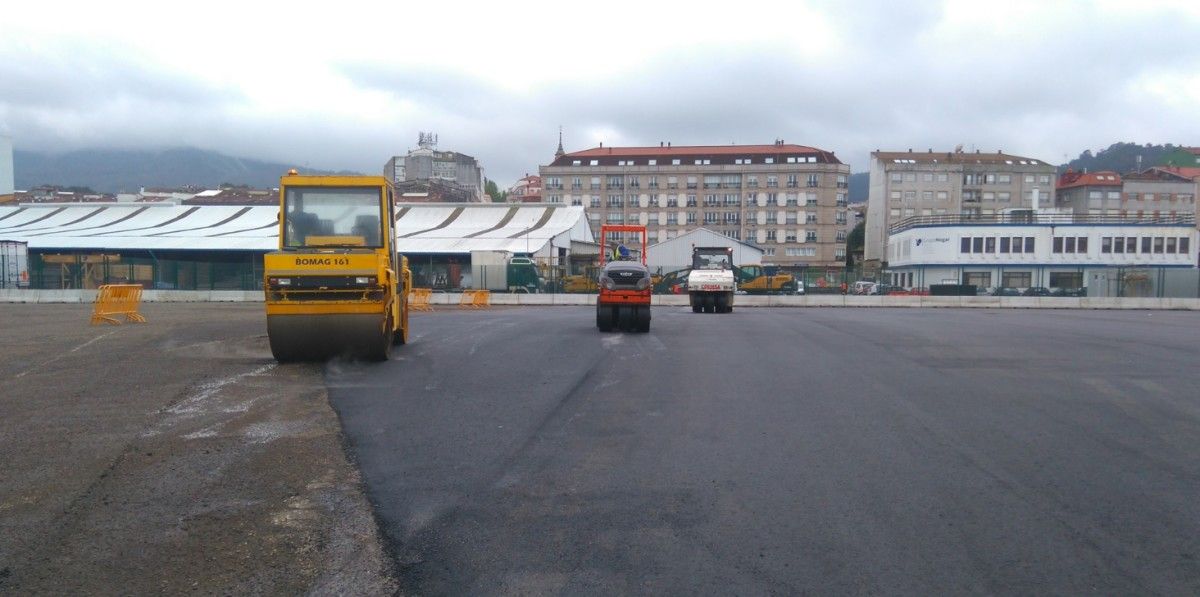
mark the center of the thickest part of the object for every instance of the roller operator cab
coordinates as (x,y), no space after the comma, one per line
(625,286)
(336,286)
(711,283)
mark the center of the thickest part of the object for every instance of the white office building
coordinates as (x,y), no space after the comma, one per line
(1053,249)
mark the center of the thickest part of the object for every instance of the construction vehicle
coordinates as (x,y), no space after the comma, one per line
(586,282)
(336,285)
(711,283)
(624,299)
(754,279)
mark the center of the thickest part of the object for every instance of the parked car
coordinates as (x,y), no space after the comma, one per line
(1069,292)
(1005,291)
(863,287)
(1036,291)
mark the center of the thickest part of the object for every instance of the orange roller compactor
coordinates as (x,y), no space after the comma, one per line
(625,286)
(336,285)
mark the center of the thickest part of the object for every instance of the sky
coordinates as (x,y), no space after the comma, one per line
(347,85)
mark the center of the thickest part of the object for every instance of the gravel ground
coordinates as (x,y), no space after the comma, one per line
(172,457)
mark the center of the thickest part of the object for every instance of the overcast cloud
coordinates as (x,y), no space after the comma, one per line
(348,86)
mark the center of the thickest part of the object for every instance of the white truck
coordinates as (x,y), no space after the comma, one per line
(711,283)
(14,264)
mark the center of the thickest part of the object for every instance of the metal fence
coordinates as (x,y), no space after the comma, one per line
(93,271)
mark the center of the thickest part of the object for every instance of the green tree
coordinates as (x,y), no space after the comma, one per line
(490,187)
(854,242)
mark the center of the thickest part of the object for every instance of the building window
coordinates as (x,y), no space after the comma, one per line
(1004,179)
(978,279)
(966,245)
(652,162)
(1170,244)
(910,177)
(691,217)
(1081,244)
(1119,245)
(771,235)
(810,218)
(1016,244)
(977,244)
(1005,244)
(691,201)
(1183,245)
(1146,244)
(897,177)
(1106,244)
(1017,279)
(841,236)
(595,200)
(1029,244)
(1057,244)
(675,162)
(810,236)
(989,245)
(812,180)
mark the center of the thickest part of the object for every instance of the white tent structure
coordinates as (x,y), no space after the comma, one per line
(677,252)
(421,228)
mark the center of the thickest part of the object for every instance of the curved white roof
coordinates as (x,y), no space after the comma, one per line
(420,227)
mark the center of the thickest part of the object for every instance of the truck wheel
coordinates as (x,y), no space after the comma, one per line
(729,303)
(604,317)
(625,318)
(722,302)
(643,318)
(710,303)
(697,305)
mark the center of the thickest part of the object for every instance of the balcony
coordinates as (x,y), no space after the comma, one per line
(731,185)
(772,184)
(691,185)
(843,185)
(812,184)
(652,186)
(576,187)
(791,184)
(595,186)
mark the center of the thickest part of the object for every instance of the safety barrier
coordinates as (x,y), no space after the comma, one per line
(118,299)
(475,299)
(419,299)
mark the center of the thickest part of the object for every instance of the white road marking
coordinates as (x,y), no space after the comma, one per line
(60,357)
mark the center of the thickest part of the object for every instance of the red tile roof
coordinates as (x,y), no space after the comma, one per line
(1192,173)
(1104,178)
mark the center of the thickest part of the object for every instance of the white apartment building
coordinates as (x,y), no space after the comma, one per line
(906,184)
(789,200)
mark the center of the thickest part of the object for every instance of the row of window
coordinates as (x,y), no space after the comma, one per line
(1149,244)
(1077,244)
(988,244)
(714,181)
(789,200)
(1098,196)
(970,178)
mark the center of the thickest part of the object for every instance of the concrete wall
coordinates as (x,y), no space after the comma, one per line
(835,300)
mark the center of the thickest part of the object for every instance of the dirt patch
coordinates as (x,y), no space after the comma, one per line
(171,457)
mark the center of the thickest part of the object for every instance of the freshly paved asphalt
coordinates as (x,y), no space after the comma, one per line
(897,451)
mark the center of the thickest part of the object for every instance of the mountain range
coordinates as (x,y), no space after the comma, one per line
(113,170)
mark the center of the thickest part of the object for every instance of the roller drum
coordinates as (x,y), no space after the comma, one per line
(327,336)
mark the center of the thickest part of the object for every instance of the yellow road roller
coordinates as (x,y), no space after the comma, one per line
(336,286)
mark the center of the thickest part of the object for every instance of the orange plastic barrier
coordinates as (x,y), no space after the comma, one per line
(115,300)
(419,299)
(475,299)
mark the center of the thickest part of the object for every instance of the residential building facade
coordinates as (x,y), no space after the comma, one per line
(526,190)
(790,200)
(904,184)
(1089,192)
(1155,193)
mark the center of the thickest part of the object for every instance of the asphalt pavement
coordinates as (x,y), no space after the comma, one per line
(784,451)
